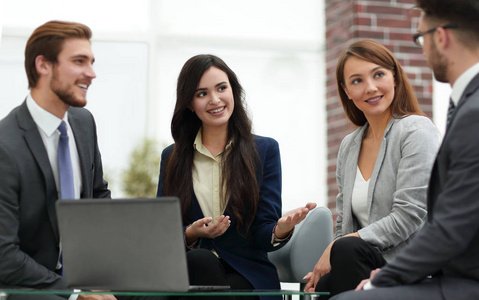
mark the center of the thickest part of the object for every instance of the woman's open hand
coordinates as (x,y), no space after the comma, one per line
(287,222)
(200,229)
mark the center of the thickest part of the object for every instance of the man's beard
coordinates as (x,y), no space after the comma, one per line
(438,63)
(65,94)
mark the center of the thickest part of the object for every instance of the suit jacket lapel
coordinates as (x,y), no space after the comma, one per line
(350,170)
(81,140)
(37,148)
(378,164)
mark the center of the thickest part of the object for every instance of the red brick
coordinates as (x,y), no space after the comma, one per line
(385,9)
(427,76)
(358,8)
(401,37)
(411,76)
(418,62)
(331,181)
(413,13)
(364,21)
(393,23)
(370,34)
(412,49)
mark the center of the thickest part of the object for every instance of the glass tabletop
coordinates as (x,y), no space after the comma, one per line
(190,293)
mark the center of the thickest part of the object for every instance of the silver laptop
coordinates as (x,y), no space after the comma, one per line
(123,244)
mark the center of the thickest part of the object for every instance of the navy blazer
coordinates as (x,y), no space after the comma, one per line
(448,245)
(248,256)
(29,240)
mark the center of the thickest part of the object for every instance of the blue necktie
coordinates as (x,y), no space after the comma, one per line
(65,170)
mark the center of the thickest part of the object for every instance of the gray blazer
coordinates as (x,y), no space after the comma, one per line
(448,245)
(397,187)
(29,240)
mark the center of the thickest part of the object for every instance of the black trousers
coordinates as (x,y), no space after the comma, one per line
(205,268)
(352,260)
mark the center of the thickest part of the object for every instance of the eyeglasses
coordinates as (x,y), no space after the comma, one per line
(418,38)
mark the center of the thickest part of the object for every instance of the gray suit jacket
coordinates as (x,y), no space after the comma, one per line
(397,187)
(448,245)
(29,240)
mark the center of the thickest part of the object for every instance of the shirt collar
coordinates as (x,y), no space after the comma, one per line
(462,81)
(198,145)
(46,121)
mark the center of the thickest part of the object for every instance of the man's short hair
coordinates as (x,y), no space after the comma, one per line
(47,40)
(463,13)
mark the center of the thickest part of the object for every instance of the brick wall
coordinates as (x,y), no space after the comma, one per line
(391,22)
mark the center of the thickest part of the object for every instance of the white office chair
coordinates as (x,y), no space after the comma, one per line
(302,252)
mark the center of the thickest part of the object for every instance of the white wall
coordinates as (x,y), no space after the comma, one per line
(1,21)
(275,48)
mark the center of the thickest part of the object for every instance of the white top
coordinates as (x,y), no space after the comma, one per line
(47,125)
(359,199)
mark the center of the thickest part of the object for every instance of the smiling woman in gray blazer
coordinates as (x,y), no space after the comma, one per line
(382,171)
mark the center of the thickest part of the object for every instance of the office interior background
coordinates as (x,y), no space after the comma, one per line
(276,47)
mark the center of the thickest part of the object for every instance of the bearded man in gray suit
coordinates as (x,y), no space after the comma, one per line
(442,261)
(58,63)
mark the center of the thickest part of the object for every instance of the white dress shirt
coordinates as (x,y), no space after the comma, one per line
(47,125)
(462,81)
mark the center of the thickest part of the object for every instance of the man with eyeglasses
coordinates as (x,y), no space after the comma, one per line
(442,261)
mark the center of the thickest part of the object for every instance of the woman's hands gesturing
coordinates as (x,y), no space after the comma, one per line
(200,229)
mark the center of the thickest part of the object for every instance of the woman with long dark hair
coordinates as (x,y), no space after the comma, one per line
(228,181)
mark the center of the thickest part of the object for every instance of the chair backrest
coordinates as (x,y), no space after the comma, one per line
(302,252)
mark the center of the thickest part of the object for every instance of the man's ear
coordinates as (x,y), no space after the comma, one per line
(442,38)
(42,65)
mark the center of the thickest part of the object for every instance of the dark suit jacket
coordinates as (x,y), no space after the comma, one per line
(448,245)
(29,240)
(248,256)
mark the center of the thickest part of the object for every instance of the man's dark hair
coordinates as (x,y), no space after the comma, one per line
(463,13)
